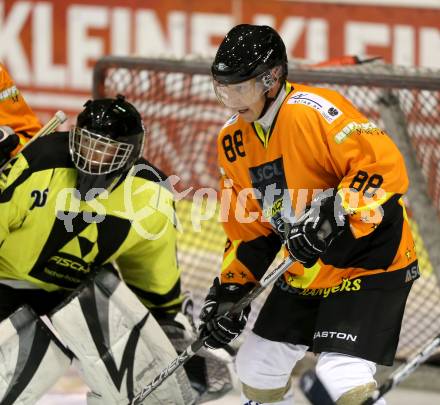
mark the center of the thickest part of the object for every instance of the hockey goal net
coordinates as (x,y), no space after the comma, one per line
(182,118)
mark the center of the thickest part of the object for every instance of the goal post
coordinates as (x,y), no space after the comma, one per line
(183,117)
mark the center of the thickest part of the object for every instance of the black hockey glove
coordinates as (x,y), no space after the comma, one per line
(310,236)
(219,327)
(9,140)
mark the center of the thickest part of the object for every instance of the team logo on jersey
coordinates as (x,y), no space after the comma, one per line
(274,209)
(412,274)
(70,269)
(357,128)
(40,198)
(10,93)
(268,173)
(70,262)
(346,285)
(270,184)
(333,111)
(327,334)
(323,106)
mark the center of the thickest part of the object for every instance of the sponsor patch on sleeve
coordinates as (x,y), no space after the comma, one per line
(368,128)
(9,93)
(323,106)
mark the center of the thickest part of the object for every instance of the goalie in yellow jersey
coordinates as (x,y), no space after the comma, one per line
(306,169)
(18,122)
(75,206)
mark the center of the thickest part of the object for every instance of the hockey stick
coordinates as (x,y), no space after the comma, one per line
(317,394)
(198,344)
(314,390)
(50,126)
(404,371)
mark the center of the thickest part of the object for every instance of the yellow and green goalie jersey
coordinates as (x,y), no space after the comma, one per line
(50,239)
(316,141)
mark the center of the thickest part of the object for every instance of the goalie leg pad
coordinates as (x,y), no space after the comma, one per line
(32,359)
(347,377)
(266,378)
(210,372)
(120,346)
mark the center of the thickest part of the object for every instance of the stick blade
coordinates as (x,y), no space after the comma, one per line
(314,390)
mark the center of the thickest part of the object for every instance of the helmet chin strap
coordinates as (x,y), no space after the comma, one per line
(268,101)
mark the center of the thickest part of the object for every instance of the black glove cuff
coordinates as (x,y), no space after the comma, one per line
(9,140)
(233,292)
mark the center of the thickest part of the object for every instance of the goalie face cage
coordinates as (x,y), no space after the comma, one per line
(183,116)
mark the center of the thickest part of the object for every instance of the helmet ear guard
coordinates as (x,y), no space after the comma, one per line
(271,77)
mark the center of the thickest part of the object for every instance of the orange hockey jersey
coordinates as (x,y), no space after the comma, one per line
(14,111)
(317,140)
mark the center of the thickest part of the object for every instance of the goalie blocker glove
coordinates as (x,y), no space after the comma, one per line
(218,327)
(309,237)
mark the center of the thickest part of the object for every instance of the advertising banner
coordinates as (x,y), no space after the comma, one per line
(50,47)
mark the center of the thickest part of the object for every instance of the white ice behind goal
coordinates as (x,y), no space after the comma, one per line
(183,117)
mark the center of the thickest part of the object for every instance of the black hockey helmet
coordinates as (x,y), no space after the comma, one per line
(248,51)
(105,143)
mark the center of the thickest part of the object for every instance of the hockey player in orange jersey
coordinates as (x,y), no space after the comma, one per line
(18,123)
(306,169)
